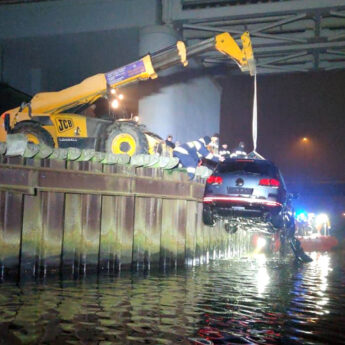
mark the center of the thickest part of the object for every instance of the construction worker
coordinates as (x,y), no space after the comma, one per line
(165,147)
(239,151)
(191,152)
(224,151)
(213,146)
(169,141)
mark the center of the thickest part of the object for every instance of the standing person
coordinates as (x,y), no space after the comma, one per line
(165,147)
(213,146)
(224,151)
(191,152)
(169,141)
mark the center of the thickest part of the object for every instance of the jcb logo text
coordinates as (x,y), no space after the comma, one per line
(64,124)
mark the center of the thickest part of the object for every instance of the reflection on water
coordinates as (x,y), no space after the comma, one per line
(227,302)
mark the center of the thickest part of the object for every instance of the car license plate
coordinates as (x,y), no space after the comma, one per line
(238,208)
(239,190)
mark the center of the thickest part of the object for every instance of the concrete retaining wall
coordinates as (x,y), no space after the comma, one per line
(78,216)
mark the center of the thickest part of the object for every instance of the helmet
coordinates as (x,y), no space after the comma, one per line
(207,140)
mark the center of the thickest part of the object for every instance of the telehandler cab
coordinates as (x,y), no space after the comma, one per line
(50,117)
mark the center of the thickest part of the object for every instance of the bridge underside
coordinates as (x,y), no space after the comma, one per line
(287,35)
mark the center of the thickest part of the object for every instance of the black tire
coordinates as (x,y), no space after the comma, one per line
(35,133)
(207,216)
(126,138)
(231,229)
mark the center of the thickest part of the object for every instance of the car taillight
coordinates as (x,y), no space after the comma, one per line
(214,180)
(270,182)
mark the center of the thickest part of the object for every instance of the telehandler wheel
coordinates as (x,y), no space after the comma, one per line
(34,132)
(127,139)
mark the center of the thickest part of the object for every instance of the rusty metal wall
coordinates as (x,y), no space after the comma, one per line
(82,216)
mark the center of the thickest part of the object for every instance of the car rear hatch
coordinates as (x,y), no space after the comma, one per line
(243,183)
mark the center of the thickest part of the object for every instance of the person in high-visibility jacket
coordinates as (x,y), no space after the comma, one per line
(239,151)
(224,151)
(191,152)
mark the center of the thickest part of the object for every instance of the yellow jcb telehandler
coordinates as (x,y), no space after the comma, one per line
(50,117)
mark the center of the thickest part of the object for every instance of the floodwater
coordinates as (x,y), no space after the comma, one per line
(254,301)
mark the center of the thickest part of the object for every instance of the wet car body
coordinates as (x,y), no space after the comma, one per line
(247,193)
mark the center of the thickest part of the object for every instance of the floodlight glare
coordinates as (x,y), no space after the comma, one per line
(115,104)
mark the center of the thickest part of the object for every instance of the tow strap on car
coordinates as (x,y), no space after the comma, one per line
(255,121)
(255,117)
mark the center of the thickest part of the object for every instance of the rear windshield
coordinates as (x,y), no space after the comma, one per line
(254,167)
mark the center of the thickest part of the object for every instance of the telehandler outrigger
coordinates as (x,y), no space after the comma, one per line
(50,117)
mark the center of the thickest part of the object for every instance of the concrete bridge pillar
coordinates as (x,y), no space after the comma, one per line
(184,102)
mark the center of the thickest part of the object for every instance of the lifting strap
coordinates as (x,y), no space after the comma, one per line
(255,117)
(255,121)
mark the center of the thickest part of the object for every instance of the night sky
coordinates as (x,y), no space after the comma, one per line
(290,107)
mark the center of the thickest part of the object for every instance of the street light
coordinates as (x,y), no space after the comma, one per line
(305,144)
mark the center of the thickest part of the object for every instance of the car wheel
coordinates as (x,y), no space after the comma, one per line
(231,229)
(277,221)
(208,216)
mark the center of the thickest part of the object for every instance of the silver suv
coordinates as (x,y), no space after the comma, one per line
(250,193)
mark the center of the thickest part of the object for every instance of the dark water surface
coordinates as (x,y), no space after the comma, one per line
(254,301)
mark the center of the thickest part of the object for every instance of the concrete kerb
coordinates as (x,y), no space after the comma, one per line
(139,160)
(31,150)
(18,145)
(44,151)
(59,154)
(86,155)
(111,158)
(171,163)
(3,148)
(73,153)
(203,172)
(154,161)
(122,159)
(163,162)
(98,157)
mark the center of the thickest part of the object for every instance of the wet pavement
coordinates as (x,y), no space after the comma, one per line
(247,301)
